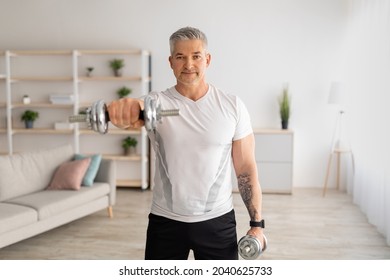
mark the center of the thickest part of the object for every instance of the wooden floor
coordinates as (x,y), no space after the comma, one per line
(302,226)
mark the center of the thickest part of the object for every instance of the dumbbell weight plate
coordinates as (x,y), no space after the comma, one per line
(249,247)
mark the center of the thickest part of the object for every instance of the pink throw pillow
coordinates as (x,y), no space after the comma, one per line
(69,175)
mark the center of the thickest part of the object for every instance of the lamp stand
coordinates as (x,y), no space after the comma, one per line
(339,146)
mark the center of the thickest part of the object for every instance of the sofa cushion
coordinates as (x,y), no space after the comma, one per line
(69,175)
(29,172)
(16,216)
(93,168)
(50,203)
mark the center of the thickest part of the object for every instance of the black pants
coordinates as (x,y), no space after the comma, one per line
(215,239)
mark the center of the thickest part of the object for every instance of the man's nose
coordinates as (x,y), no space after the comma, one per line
(188,63)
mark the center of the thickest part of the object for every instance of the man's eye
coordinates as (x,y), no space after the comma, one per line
(197,57)
(179,57)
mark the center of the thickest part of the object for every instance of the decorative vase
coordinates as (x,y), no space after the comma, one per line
(118,72)
(129,151)
(29,124)
(26,100)
(285,124)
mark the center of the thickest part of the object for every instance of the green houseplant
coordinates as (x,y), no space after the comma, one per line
(123,92)
(29,117)
(116,66)
(285,108)
(128,145)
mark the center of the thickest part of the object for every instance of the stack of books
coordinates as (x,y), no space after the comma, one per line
(63,126)
(61,99)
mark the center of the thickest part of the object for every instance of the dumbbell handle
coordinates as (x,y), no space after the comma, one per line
(163,113)
(82,117)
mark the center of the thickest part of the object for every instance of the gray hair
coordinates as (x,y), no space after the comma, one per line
(187,33)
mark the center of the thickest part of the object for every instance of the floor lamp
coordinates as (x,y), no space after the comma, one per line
(340,144)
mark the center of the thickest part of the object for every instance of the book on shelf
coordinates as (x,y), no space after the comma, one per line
(62,98)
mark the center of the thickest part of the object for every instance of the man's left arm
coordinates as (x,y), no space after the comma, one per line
(243,153)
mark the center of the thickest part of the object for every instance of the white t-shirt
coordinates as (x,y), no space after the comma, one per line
(193,175)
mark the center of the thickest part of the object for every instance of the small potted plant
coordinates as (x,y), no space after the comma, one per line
(89,71)
(129,144)
(116,66)
(26,99)
(284,108)
(29,117)
(123,92)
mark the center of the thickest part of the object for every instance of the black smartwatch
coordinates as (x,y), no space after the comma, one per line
(257,224)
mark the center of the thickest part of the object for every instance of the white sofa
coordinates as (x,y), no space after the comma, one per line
(27,208)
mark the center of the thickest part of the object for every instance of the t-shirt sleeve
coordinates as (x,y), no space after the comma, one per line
(244,126)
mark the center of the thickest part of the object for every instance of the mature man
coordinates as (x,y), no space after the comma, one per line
(196,152)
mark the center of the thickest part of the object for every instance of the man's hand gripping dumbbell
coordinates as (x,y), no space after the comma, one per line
(125,113)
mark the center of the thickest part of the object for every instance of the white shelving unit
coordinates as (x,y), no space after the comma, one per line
(40,73)
(274,158)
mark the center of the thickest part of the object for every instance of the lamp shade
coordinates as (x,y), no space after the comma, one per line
(336,93)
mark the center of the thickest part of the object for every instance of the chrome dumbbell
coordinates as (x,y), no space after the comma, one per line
(97,116)
(249,247)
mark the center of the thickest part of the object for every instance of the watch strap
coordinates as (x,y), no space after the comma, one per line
(257,224)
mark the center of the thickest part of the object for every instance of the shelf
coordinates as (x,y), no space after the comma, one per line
(41,52)
(3,130)
(272,131)
(113,132)
(128,183)
(41,79)
(3,104)
(110,52)
(41,131)
(42,105)
(110,78)
(123,158)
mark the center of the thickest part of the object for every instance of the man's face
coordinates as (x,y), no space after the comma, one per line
(189,62)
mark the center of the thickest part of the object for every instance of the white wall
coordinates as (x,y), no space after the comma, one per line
(256,46)
(367,72)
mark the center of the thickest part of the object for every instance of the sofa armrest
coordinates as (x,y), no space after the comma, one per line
(107,174)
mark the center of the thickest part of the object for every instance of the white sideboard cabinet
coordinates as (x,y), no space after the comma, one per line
(274,158)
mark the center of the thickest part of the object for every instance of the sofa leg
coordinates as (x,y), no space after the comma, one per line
(110,212)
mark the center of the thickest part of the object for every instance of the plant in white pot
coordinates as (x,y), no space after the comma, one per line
(129,145)
(116,66)
(89,71)
(26,99)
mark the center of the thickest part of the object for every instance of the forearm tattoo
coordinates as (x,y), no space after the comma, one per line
(245,188)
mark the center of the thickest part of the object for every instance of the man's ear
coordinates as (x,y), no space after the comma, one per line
(208,59)
(170,61)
